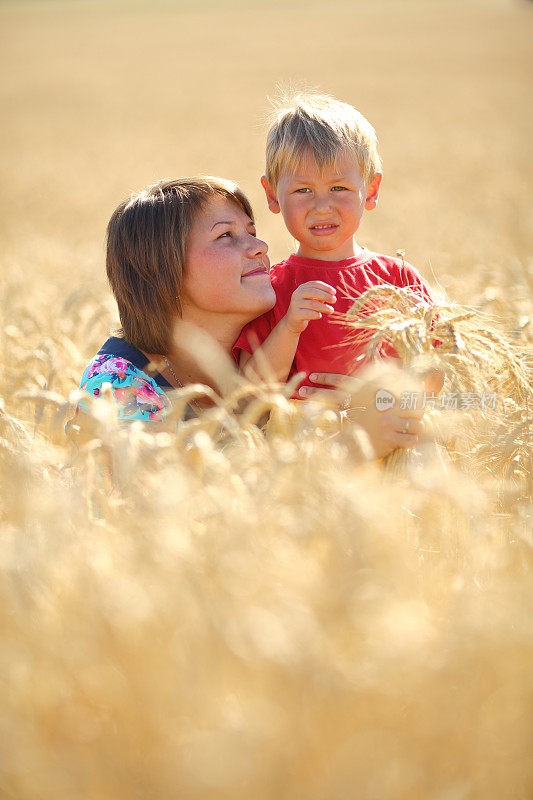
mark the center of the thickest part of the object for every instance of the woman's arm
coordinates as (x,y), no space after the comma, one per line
(387,428)
(137,395)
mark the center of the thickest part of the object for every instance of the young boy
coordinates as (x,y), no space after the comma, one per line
(322,171)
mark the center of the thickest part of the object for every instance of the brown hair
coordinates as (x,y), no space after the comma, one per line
(147,240)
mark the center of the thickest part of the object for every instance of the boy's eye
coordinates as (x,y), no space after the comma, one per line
(303,190)
(339,189)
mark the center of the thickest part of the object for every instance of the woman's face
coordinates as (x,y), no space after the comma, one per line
(227,267)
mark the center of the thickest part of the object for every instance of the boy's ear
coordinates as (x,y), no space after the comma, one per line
(372,193)
(272,200)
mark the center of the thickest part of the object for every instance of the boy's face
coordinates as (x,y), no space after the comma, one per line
(322,208)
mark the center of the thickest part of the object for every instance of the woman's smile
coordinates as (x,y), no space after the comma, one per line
(260,270)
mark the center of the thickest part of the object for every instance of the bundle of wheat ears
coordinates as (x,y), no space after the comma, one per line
(488,376)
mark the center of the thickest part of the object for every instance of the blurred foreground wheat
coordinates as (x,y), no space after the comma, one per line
(250,616)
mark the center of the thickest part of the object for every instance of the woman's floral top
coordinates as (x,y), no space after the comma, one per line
(138,395)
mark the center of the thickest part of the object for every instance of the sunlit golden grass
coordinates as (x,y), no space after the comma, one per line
(236,614)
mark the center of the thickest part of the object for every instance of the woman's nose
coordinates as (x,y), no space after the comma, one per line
(257,247)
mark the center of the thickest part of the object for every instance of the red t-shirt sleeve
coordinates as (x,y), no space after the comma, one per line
(253,335)
(413,279)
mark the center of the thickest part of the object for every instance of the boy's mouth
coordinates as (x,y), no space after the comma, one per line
(323,229)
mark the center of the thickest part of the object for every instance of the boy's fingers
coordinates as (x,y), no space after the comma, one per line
(314,288)
(316,305)
(309,313)
(319,285)
(317,294)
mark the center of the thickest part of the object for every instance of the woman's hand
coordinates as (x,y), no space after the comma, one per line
(387,425)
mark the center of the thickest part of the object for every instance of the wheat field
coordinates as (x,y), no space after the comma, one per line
(236,614)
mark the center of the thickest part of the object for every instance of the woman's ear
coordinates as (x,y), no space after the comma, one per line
(272,200)
(372,192)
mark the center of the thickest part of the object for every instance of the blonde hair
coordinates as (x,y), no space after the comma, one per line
(318,123)
(147,240)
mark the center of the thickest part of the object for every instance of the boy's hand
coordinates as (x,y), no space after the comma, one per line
(309,301)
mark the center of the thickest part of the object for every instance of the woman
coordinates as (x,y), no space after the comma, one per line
(186,250)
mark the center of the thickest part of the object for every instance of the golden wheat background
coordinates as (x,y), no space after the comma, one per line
(263,617)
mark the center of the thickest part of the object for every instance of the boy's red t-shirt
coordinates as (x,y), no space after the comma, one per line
(321,347)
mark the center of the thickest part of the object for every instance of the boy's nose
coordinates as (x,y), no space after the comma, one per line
(322,204)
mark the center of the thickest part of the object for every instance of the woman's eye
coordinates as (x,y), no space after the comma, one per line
(222,235)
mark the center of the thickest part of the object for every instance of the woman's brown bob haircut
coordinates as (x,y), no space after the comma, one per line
(147,240)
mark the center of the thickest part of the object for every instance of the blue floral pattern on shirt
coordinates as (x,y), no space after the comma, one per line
(137,395)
